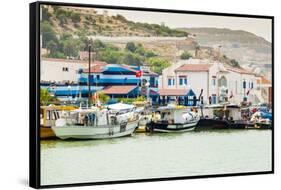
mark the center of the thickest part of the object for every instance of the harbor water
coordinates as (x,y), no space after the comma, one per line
(144,156)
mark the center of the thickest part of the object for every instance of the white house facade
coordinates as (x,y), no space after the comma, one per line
(60,70)
(213,78)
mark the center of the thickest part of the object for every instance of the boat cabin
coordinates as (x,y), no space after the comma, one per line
(220,111)
(171,114)
(49,114)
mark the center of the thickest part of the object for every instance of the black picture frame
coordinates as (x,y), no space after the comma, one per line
(34,93)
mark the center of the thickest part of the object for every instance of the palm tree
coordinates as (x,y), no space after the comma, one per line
(45,97)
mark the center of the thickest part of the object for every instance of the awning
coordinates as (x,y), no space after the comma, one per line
(172,92)
(119,89)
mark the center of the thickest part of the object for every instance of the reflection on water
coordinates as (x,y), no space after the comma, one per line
(143,156)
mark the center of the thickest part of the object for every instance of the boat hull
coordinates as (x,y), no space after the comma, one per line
(95,132)
(142,129)
(208,124)
(263,126)
(46,133)
(167,128)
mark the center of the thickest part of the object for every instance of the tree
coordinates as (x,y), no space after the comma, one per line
(71,48)
(121,18)
(75,17)
(52,47)
(45,97)
(63,19)
(110,56)
(158,64)
(234,63)
(130,46)
(103,97)
(140,50)
(186,55)
(150,53)
(132,59)
(45,14)
(48,33)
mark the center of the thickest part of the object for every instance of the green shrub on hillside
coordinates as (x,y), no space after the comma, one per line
(158,64)
(185,55)
(48,33)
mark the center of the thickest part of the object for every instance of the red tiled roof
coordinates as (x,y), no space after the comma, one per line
(194,67)
(96,68)
(240,70)
(172,92)
(263,80)
(118,89)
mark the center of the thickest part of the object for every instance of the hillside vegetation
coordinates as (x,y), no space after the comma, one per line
(86,22)
(66,31)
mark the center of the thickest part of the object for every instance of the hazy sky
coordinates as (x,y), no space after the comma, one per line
(260,27)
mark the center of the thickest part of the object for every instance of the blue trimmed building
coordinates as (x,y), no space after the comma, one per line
(113,79)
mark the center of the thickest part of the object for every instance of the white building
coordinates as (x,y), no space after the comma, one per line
(213,78)
(264,88)
(60,70)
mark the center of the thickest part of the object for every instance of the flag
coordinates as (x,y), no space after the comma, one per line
(231,95)
(248,92)
(138,74)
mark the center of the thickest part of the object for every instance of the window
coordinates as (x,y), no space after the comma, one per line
(65,69)
(169,82)
(252,85)
(214,99)
(173,81)
(98,77)
(214,82)
(222,81)
(182,81)
(152,81)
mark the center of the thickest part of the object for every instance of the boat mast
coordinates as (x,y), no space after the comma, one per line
(89,74)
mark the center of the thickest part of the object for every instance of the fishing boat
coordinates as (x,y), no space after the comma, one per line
(262,120)
(173,119)
(48,116)
(217,116)
(95,124)
(145,114)
(225,116)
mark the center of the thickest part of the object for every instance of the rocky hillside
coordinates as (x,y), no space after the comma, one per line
(66,31)
(248,49)
(90,22)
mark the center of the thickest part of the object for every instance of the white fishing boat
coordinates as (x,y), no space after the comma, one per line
(173,119)
(95,124)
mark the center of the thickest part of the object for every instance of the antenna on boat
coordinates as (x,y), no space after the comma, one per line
(201,102)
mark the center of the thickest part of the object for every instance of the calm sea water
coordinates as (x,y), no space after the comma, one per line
(145,156)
